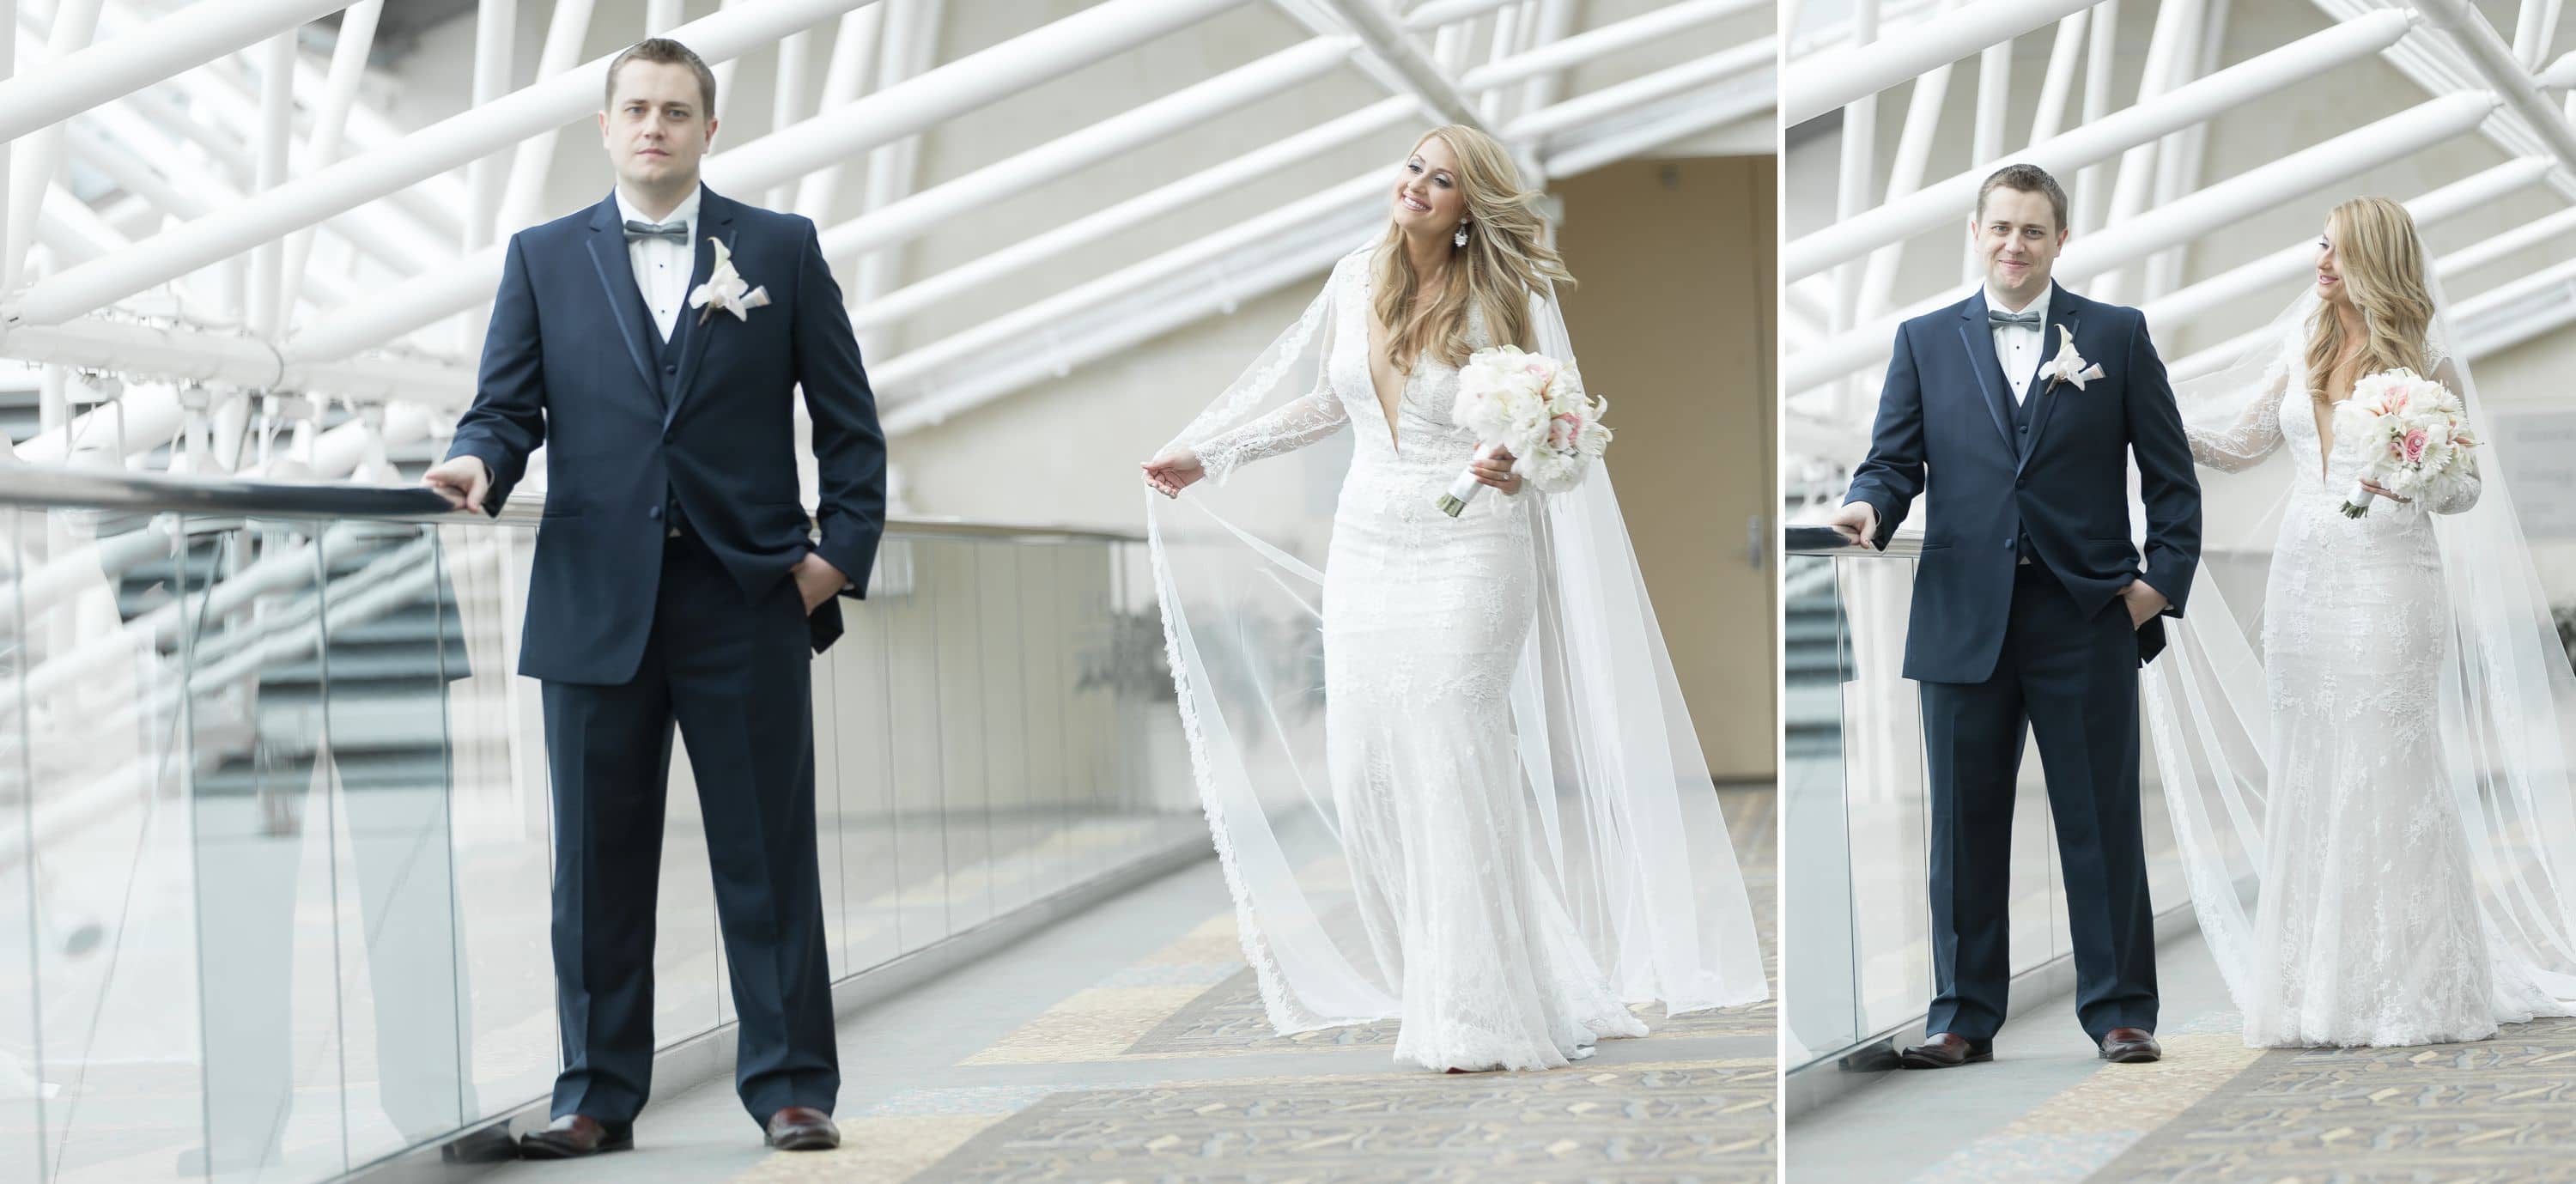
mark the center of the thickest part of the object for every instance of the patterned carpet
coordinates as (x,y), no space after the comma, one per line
(1166,1072)
(2497,1110)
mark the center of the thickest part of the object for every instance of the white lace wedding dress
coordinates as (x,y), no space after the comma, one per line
(2367,930)
(1424,620)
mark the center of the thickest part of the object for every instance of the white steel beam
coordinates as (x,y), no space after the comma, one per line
(1154,203)
(523,193)
(1591,106)
(190,37)
(854,55)
(360,179)
(2511,78)
(1820,82)
(330,126)
(963,85)
(1948,200)
(1673,119)
(2261,188)
(905,218)
(1652,25)
(1388,44)
(1358,193)
(40,155)
(2461,197)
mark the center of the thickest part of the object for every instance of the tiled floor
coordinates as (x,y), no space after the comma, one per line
(2049,1112)
(1125,1044)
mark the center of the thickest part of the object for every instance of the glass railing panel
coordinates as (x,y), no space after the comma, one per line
(965,811)
(911,584)
(24,934)
(391,643)
(267,810)
(1002,651)
(1091,710)
(500,820)
(1046,676)
(96,713)
(1155,790)
(280,770)
(1886,780)
(1822,1009)
(865,829)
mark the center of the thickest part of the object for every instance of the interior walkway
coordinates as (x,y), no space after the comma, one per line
(1128,1043)
(2047,1111)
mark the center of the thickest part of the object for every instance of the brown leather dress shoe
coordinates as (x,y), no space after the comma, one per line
(1945,1051)
(2130,1046)
(803,1128)
(574,1136)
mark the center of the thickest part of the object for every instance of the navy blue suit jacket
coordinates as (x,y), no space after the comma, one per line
(1946,432)
(570,363)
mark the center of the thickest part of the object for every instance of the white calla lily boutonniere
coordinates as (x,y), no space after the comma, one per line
(2068,365)
(726,290)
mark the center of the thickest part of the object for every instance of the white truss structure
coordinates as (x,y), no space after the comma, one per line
(269,242)
(2136,171)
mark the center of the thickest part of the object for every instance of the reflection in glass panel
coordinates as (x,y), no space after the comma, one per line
(391,647)
(22,1080)
(910,588)
(860,720)
(107,870)
(1045,675)
(500,819)
(335,831)
(1005,738)
(266,809)
(964,810)
(1822,1011)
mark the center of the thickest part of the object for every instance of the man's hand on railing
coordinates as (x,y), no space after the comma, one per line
(1857,522)
(462,480)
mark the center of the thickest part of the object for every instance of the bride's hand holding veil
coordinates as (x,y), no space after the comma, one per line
(1173,471)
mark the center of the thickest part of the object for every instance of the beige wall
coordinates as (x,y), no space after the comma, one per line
(1674,323)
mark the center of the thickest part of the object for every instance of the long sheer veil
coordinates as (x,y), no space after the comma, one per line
(2507,702)
(1627,828)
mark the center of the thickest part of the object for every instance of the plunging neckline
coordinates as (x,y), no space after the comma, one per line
(1386,410)
(2325,425)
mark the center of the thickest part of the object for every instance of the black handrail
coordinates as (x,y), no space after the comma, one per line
(164,493)
(1825,540)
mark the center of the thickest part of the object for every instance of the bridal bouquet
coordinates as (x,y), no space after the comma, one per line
(2413,436)
(1534,406)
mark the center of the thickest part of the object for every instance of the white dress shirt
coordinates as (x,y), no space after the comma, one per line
(2018,347)
(661,266)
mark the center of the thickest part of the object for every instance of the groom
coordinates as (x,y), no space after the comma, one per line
(675,580)
(2015,412)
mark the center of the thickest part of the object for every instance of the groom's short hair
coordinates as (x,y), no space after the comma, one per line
(668,52)
(2025,178)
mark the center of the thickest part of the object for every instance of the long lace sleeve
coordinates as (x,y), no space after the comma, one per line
(2253,436)
(1302,422)
(1224,440)
(2460,495)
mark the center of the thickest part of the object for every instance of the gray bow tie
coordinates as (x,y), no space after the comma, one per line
(2027,316)
(677,232)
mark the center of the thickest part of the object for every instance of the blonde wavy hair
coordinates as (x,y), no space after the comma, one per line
(2382,264)
(1504,260)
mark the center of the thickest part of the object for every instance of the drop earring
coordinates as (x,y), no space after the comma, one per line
(1459,239)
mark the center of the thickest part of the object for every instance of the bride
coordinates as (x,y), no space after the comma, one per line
(2383,916)
(1520,836)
